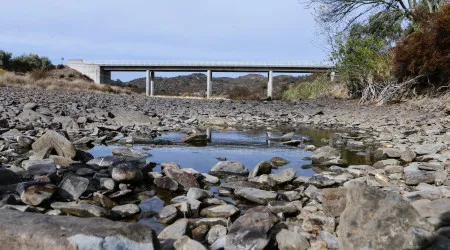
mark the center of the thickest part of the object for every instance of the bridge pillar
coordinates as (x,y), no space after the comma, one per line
(147,82)
(208,84)
(332,74)
(270,85)
(152,83)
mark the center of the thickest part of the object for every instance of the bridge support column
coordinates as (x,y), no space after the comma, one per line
(270,85)
(208,84)
(332,74)
(149,83)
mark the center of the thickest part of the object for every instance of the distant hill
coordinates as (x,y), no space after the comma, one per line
(195,85)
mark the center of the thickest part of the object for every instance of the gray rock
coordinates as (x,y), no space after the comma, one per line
(185,180)
(62,146)
(224,211)
(130,152)
(230,168)
(170,165)
(334,201)
(324,154)
(256,195)
(431,166)
(80,210)
(215,232)
(408,156)
(278,161)
(127,117)
(417,177)
(166,183)
(198,194)
(114,160)
(210,179)
(330,240)
(384,163)
(43,232)
(126,210)
(427,149)
(168,214)
(284,176)
(291,240)
(107,183)
(250,231)
(321,181)
(263,167)
(436,208)
(185,243)
(386,136)
(384,153)
(103,200)
(72,187)
(173,232)
(126,172)
(195,138)
(317,222)
(388,210)
(284,207)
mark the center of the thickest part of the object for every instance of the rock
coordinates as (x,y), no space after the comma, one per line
(166,183)
(250,231)
(40,167)
(215,232)
(436,208)
(278,161)
(67,123)
(316,223)
(256,195)
(127,117)
(85,172)
(321,181)
(334,201)
(386,136)
(229,168)
(431,166)
(417,177)
(185,180)
(284,207)
(30,106)
(198,194)
(126,210)
(58,142)
(284,176)
(8,177)
(392,169)
(35,193)
(114,160)
(408,156)
(185,243)
(428,149)
(265,180)
(104,201)
(290,240)
(167,215)
(210,179)
(173,232)
(170,165)
(263,167)
(384,153)
(325,154)
(130,152)
(80,210)
(72,187)
(330,240)
(43,232)
(384,163)
(61,161)
(388,210)
(283,138)
(200,232)
(219,211)
(126,172)
(195,138)
(107,183)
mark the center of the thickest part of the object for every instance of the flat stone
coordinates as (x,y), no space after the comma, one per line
(72,187)
(321,181)
(257,195)
(224,211)
(185,180)
(427,149)
(80,210)
(284,207)
(186,243)
(384,163)
(168,214)
(198,194)
(229,168)
(215,232)
(284,176)
(35,193)
(324,154)
(316,223)
(130,152)
(126,210)
(278,161)
(195,138)
(173,232)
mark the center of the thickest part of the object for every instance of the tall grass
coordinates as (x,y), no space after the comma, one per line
(8,79)
(320,87)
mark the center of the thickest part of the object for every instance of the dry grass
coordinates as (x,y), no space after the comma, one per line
(8,79)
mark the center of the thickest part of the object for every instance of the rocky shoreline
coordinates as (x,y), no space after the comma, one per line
(402,201)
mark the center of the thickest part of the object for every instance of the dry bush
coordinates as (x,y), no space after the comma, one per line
(243,93)
(27,81)
(426,51)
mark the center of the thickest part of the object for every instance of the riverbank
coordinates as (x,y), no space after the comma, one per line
(47,170)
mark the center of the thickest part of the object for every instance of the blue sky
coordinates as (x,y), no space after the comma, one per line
(261,30)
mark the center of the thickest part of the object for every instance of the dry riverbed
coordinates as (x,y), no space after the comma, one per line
(48,179)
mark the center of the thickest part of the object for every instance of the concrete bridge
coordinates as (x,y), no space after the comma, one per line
(100,71)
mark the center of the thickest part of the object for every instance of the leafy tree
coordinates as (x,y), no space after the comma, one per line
(5,58)
(27,63)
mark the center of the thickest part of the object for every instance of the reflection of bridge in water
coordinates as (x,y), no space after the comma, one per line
(100,71)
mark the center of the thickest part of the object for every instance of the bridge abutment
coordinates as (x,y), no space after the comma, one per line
(94,72)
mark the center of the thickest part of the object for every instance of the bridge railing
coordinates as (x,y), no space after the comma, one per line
(206,63)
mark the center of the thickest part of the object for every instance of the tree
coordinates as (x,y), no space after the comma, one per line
(5,58)
(347,12)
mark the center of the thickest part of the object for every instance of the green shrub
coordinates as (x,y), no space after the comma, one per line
(28,63)
(309,90)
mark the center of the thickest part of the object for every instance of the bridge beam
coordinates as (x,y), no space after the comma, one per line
(208,84)
(270,85)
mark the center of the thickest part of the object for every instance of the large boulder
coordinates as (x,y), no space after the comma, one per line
(251,231)
(229,168)
(371,215)
(59,143)
(20,230)
(185,180)
(324,154)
